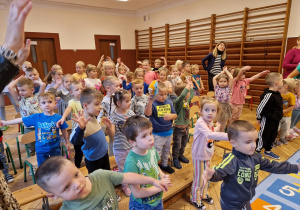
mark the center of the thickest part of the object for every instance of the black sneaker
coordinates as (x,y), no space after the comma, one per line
(183,159)
(9,178)
(208,199)
(167,169)
(198,205)
(177,164)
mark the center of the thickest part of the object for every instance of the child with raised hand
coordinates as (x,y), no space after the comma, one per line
(157,64)
(56,73)
(296,111)
(239,90)
(121,70)
(88,133)
(288,101)
(237,190)
(92,80)
(80,74)
(185,94)
(203,149)
(138,74)
(121,147)
(139,101)
(108,69)
(62,179)
(149,75)
(33,74)
(222,84)
(197,78)
(178,65)
(143,159)
(46,132)
(174,78)
(186,73)
(161,112)
(63,94)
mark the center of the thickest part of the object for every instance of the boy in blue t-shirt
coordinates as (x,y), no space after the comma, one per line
(162,113)
(46,132)
(143,159)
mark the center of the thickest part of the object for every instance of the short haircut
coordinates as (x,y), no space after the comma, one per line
(108,64)
(134,125)
(137,82)
(161,86)
(177,63)
(46,95)
(89,94)
(80,63)
(237,127)
(179,88)
(109,80)
(51,167)
(30,69)
(25,81)
(137,71)
(67,76)
(272,78)
(73,84)
(146,60)
(157,61)
(185,63)
(209,100)
(129,75)
(291,83)
(90,68)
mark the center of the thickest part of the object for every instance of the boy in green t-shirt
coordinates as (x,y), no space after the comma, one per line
(143,159)
(62,179)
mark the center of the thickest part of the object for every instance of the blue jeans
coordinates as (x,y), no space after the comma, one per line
(41,157)
(3,160)
(134,205)
(295,117)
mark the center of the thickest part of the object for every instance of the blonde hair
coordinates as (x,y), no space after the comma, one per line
(209,100)
(161,85)
(46,95)
(137,71)
(177,63)
(25,63)
(49,78)
(194,67)
(172,67)
(109,81)
(137,82)
(291,83)
(105,65)
(129,75)
(163,70)
(120,67)
(157,61)
(25,81)
(215,51)
(80,63)
(272,77)
(90,68)
(67,76)
(73,83)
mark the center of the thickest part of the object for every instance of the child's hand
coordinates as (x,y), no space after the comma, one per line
(102,58)
(207,175)
(218,125)
(139,62)
(246,68)
(107,122)
(299,166)
(258,122)
(122,78)
(58,81)
(60,122)
(265,72)
(162,184)
(2,123)
(108,58)
(162,58)
(168,117)
(151,98)
(119,60)
(81,120)
(24,52)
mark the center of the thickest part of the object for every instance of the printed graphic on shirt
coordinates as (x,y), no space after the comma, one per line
(244,174)
(285,103)
(257,167)
(186,108)
(210,145)
(163,109)
(106,203)
(242,88)
(47,132)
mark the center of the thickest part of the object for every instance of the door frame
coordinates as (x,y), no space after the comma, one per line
(116,38)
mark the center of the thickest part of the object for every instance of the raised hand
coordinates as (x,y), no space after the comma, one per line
(81,120)
(207,175)
(265,72)
(107,122)
(24,52)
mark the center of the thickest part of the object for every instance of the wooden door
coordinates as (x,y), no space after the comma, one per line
(42,55)
(109,48)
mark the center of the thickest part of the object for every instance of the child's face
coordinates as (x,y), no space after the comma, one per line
(114,87)
(138,89)
(25,91)
(67,82)
(76,90)
(246,142)
(94,107)
(297,89)
(70,184)
(144,140)
(161,96)
(157,64)
(33,75)
(93,74)
(146,66)
(122,71)
(109,70)
(175,72)
(47,104)
(196,71)
(187,69)
(223,82)
(25,66)
(58,75)
(126,103)
(79,69)
(209,111)
(140,76)
(162,76)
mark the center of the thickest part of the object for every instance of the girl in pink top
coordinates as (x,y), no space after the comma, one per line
(239,90)
(203,149)
(149,75)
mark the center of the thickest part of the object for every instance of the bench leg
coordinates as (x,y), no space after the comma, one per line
(46,203)
(25,180)
(9,157)
(19,153)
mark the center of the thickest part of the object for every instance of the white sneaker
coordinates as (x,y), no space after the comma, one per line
(296,129)
(294,133)
(34,170)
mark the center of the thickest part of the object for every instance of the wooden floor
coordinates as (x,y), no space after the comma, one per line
(285,151)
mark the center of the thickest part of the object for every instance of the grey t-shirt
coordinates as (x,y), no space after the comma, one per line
(138,104)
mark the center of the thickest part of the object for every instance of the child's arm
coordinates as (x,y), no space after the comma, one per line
(201,83)
(10,122)
(245,68)
(204,129)
(66,137)
(135,180)
(215,78)
(256,76)
(78,133)
(111,128)
(170,116)
(264,107)
(290,108)
(11,88)
(64,117)
(283,167)
(230,77)
(165,62)
(100,62)
(126,87)
(148,109)
(183,94)
(42,86)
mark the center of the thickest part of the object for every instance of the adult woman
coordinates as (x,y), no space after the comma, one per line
(215,62)
(291,59)
(295,74)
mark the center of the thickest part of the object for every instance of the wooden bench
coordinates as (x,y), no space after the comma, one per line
(224,145)
(34,192)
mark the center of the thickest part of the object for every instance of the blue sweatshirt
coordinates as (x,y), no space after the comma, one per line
(129,86)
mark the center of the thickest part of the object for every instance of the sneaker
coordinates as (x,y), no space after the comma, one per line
(177,164)
(290,137)
(293,132)
(276,143)
(4,128)
(167,169)
(271,155)
(297,130)
(198,205)
(183,159)
(9,178)
(118,198)
(208,199)
(34,170)
(283,141)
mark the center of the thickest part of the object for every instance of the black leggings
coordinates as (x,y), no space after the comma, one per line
(210,82)
(78,154)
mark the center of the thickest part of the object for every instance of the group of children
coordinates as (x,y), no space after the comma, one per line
(141,126)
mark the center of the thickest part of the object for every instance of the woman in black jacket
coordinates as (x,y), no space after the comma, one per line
(215,62)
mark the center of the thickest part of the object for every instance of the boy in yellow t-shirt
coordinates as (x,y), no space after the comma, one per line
(289,101)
